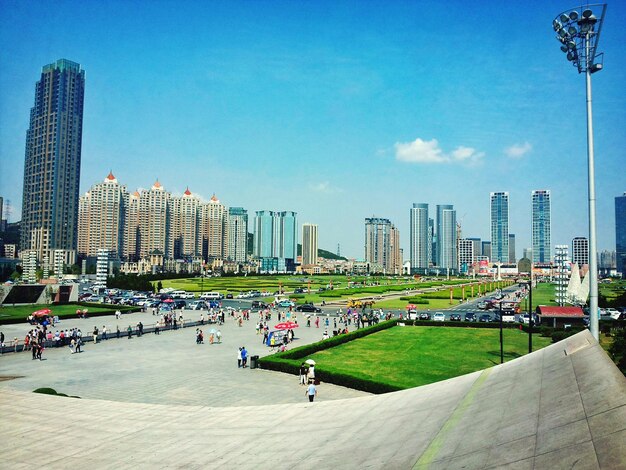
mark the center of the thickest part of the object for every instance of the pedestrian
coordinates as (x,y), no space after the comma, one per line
(117,331)
(311,391)
(311,374)
(239,358)
(95,334)
(118,314)
(130,331)
(244,357)
(104,332)
(79,343)
(218,335)
(303,372)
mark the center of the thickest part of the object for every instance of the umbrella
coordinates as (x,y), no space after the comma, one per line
(288,325)
(42,313)
(410,307)
(310,362)
(168,301)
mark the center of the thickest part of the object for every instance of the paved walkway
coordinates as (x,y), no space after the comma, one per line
(169,368)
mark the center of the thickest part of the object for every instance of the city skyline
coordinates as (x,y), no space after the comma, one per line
(230,104)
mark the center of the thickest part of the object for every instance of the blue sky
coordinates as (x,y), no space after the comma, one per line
(337,110)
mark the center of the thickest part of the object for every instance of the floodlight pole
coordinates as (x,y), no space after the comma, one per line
(501,342)
(593,257)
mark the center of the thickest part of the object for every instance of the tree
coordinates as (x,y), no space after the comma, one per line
(159,286)
(617,351)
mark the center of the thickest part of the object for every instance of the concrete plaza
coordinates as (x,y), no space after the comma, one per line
(169,368)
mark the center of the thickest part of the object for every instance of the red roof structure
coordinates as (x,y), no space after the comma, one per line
(560,312)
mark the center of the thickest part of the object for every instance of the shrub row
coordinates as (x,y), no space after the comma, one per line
(415,300)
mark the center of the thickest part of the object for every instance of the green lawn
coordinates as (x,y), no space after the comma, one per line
(543,294)
(413,356)
(20,312)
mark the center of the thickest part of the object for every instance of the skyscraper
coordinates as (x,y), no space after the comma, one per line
(382,245)
(419,237)
(214,228)
(184,222)
(446,237)
(541,226)
(500,227)
(620,234)
(486,249)
(52,160)
(309,244)
(237,234)
(275,240)
(101,219)
(512,256)
(580,251)
(154,222)
(287,247)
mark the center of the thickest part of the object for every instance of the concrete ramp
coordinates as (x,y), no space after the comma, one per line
(560,407)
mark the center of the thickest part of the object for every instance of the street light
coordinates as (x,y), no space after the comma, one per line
(578,31)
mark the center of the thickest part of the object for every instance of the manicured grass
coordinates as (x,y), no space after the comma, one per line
(543,294)
(20,312)
(413,356)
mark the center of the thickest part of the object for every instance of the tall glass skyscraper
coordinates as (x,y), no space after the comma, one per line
(620,234)
(541,226)
(419,237)
(52,163)
(446,237)
(500,227)
(275,240)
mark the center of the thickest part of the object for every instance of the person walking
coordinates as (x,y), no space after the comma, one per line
(130,331)
(239,358)
(303,371)
(117,331)
(104,332)
(244,357)
(311,391)
(95,334)
(218,335)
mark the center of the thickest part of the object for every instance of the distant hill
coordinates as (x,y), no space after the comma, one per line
(320,253)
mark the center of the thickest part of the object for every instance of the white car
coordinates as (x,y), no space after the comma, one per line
(439,316)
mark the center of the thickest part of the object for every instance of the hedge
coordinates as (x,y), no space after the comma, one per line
(415,300)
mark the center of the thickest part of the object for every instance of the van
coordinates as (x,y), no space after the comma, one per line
(211,296)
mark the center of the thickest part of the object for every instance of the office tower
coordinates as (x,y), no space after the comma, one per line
(132,231)
(527,253)
(153,222)
(432,242)
(382,245)
(1,212)
(52,160)
(580,251)
(477,249)
(541,226)
(486,249)
(620,234)
(608,259)
(237,234)
(309,244)
(214,229)
(499,227)
(264,234)
(512,257)
(446,237)
(101,215)
(419,237)
(287,238)
(466,254)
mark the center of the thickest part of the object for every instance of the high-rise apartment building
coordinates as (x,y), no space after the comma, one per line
(420,245)
(52,160)
(132,231)
(466,254)
(238,234)
(512,257)
(620,234)
(309,244)
(561,273)
(183,226)
(446,237)
(382,246)
(541,226)
(500,227)
(101,222)
(154,222)
(214,229)
(580,251)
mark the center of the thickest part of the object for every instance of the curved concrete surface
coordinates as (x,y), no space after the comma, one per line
(561,407)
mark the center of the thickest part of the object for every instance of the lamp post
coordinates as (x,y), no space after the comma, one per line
(578,31)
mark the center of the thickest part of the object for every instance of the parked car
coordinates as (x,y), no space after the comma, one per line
(197,305)
(178,304)
(298,290)
(286,303)
(455,317)
(229,296)
(308,308)
(258,304)
(485,318)
(482,305)
(424,316)
(470,316)
(439,316)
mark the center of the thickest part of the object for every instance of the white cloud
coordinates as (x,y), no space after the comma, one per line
(422,151)
(518,150)
(323,187)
